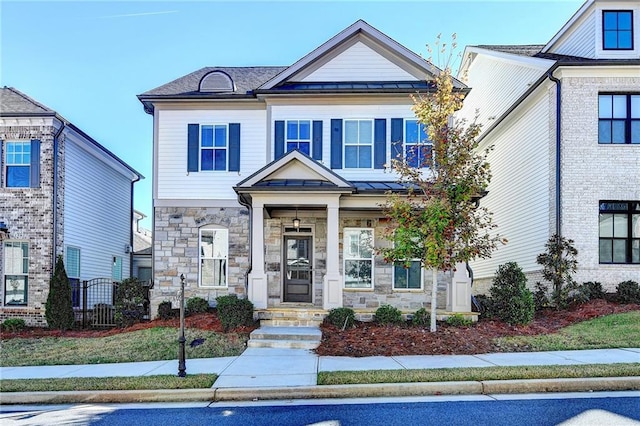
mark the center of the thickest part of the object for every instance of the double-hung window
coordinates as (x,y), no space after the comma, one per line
(16,272)
(72,267)
(18,164)
(213,147)
(299,136)
(418,147)
(619,232)
(407,275)
(617,30)
(619,118)
(214,252)
(358,144)
(358,258)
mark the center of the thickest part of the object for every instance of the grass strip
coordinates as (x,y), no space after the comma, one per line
(153,344)
(195,381)
(478,374)
(611,331)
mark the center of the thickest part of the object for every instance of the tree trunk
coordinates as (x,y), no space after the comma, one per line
(434,291)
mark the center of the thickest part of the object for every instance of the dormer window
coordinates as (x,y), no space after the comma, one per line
(617,29)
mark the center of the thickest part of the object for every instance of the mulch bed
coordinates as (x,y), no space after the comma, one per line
(369,339)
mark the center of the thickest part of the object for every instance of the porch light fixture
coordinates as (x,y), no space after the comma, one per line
(4,231)
(296,221)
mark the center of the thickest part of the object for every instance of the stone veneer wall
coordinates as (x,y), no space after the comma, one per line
(28,213)
(175,252)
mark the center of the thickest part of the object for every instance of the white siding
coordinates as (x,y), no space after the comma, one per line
(359,63)
(581,41)
(173,181)
(496,83)
(519,191)
(328,112)
(97,212)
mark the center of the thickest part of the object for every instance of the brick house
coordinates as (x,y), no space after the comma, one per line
(564,121)
(61,193)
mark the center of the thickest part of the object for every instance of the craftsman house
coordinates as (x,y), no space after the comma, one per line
(61,193)
(564,121)
(268,180)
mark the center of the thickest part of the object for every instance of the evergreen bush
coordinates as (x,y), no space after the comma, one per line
(196,305)
(234,312)
(13,324)
(59,307)
(129,302)
(165,311)
(593,289)
(558,265)
(512,301)
(628,292)
(541,296)
(421,317)
(342,317)
(387,314)
(458,320)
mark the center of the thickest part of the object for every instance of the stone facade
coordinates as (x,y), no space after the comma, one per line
(28,213)
(593,172)
(175,252)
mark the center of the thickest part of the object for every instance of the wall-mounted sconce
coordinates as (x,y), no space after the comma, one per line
(4,231)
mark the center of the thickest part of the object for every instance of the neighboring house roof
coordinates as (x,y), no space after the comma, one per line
(535,51)
(522,50)
(14,103)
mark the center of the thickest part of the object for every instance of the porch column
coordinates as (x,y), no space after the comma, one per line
(332,290)
(459,290)
(257,278)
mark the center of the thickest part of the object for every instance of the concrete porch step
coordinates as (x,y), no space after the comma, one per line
(290,322)
(285,337)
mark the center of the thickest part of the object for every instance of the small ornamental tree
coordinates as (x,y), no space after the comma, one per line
(59,308)
(558,265)
(439,221)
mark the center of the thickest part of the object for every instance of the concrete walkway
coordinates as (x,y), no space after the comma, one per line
(286,368)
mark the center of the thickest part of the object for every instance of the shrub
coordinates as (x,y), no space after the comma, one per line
(165,311)
(234,312)
(13,324)
(59,308)
(458,320)
(558,264)
(541,296)
(593,289)
(196,305)
(342,317)
(387,314)
(628,292)
(512,301)
(129,302)
(422,317)
(486,306)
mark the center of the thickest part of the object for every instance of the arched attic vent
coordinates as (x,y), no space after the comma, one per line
(217,81)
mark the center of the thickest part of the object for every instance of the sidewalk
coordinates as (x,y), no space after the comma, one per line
(292,373)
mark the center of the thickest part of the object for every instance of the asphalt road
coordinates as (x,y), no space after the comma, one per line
(617,409)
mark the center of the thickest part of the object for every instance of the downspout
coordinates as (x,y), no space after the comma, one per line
(55,193)
(137,179)
(558,139)
(246,204)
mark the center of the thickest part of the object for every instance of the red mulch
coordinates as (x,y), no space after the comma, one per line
(369,339)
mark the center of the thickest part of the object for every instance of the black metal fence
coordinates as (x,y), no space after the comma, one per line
(94,301)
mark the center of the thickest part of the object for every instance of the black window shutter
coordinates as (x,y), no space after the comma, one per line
(336,143)
(35,164)
(379,143)
(1,164)
(317,140)
(278,139)
(192,147)
(396,138)
(234,147)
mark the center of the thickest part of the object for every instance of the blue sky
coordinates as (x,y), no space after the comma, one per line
(88,60)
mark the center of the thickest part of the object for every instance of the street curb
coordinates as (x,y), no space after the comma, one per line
(329,391)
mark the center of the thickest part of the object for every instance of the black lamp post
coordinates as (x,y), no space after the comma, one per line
(182,368)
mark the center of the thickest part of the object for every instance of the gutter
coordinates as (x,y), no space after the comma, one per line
(558,139)
(55,192)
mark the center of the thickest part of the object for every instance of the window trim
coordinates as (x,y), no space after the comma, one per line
(345,258)
(117,261)
(297,141)
(629,239)
(371,145)
(393,277)
(74,280)
(22,274)
(628,119)
(201,257)
(419,143)
(6,164)
(214,148)
(604,30)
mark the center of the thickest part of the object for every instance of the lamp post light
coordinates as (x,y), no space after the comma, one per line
(182,368)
